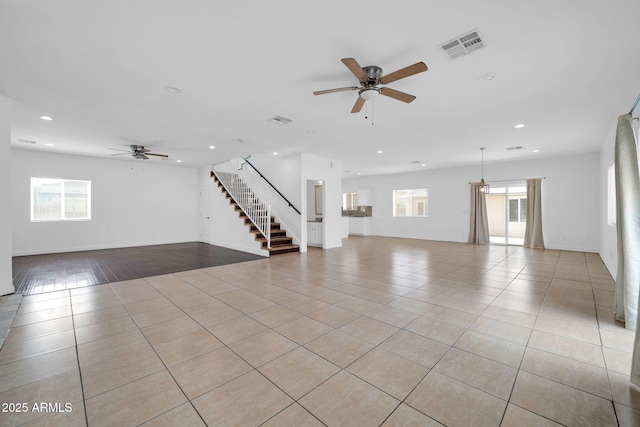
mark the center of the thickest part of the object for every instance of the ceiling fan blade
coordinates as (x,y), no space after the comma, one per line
(404,72)
(121,154)
(396,94)
(144,156)
(355,68)
(358,105)
(158,155)
(143,150)
(340,89)
(117,149)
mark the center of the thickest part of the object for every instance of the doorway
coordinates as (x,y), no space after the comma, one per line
(315,213)
(205,194)
(507,213)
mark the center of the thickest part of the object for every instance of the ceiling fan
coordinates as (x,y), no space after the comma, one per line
(139,152)
(371,78)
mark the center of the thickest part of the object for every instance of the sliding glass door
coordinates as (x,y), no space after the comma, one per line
(507,213)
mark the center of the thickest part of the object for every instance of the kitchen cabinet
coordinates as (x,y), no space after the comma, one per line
(314,233)
(360,226)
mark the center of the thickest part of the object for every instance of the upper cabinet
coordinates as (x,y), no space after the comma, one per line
(364,197)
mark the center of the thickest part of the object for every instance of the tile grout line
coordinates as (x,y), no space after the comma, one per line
(75,337)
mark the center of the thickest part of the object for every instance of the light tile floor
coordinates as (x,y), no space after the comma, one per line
(380,332)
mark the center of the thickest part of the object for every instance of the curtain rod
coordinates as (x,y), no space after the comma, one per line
(509,180)
(635,104)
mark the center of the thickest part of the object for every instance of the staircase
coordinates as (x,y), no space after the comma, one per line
(280,243)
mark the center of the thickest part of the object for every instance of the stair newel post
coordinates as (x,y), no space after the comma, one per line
(268,227)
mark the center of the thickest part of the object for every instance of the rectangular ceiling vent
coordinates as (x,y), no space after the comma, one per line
(519,147)
(26,141)
(463,45)
(279,120)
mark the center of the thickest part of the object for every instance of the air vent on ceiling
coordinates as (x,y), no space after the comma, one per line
(519,147)
(26,141)
(415,162)
(463,45)
(279,120)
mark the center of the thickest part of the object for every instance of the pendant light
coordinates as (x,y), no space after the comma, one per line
(484,188)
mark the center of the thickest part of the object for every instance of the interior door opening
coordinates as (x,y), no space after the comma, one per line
(507,213)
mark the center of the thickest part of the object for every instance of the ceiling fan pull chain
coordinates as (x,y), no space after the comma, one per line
(372,113)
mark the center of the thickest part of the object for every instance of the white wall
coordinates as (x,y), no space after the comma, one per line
(224,227)
(6,276)
(134,203)
(282,172)
(570,202)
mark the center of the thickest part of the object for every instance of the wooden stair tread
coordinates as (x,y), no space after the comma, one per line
(283,249)
(273,238)
(280,243)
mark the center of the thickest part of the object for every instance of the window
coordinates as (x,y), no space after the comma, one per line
(350,201)
(518,210)
(60,199)
(410,202)
(611,195)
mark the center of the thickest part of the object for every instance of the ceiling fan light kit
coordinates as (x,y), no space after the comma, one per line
(369,94)
(371,79)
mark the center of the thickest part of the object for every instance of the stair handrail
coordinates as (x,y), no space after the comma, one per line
(246,160)
(255,207)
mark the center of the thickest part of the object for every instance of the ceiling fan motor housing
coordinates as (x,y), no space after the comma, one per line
(374,74)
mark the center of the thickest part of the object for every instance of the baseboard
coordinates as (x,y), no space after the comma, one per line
(99,247)
(574,249)
(613,269)
(254,251)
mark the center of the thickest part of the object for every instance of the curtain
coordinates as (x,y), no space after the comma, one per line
(479,226)
(627,218)
(533,230)
(628,227)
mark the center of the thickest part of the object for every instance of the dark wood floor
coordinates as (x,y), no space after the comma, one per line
(53,272)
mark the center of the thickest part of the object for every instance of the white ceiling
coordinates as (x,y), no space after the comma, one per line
(100,69)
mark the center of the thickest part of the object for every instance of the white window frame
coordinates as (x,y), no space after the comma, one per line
(611,195)
(426,203)
(349,201)
(519,199)
(61,181)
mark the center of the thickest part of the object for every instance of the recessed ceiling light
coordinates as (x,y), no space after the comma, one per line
(212,147)
(275,153)
(47,118)
(535,151)
(179,161)
(174,89)
(487,77)
(359,173)
(519,126)
(379,151)
(423,165)
(48,144)
(311,132)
